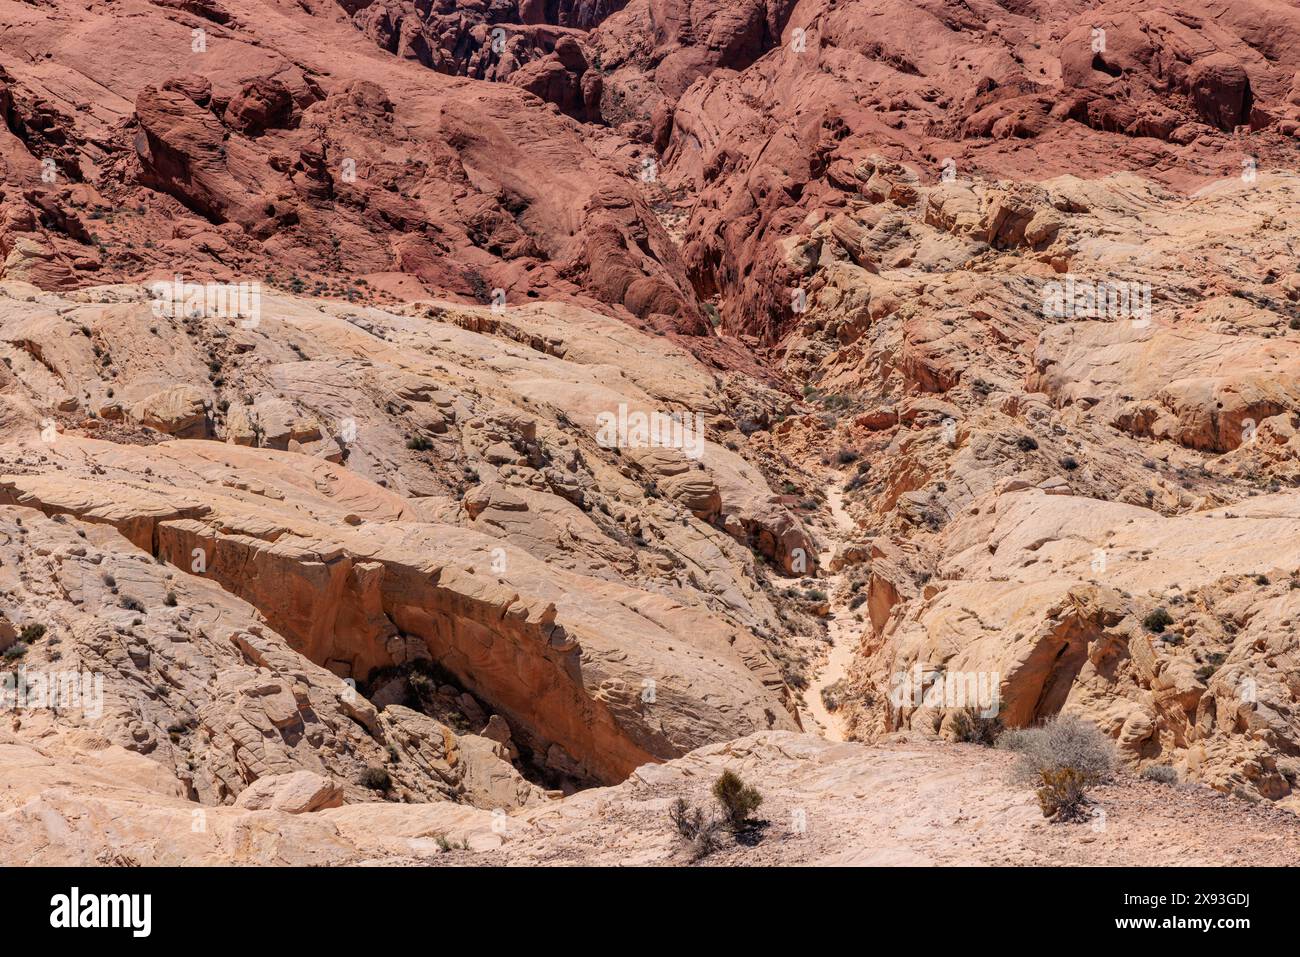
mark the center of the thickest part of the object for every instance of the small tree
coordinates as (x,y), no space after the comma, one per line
(739,801)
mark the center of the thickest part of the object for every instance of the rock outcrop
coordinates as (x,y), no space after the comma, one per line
(419,416)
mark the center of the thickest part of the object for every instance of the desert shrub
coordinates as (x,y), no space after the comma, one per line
(1157,621)
(1069,463)
(446,845)
(132,604)
(846,456)
(1061,760)
(1213,661)
(16,650)
(419,443)
(739,801)
(1014,739)
(701,831)
(972,726)
(1062,794)
(1160,773)
(1064,741)
(685,818)
(170,600)
(32,633)
(376,778)
(1026,443)
(833,694)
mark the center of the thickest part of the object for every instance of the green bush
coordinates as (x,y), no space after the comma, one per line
(1157,621)
(739,801)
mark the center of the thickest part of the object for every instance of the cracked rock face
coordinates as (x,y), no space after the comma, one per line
(465,549)
(419,416)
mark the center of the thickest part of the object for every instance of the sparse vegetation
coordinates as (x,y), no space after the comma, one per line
(739,801)
(1157,621)
(702,831)
(376,778)
(1062,793)
(833,694)
(445,845)
(1160,773)
(32,633)
(15,651)
(419,443)
(972,726)
(1061,760)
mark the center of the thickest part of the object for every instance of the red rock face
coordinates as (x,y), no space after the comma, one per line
(1035,91)
(643,156)
(320,168)
(927,444)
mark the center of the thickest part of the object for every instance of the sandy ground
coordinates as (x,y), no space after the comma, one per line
(902,802)
(844,630)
